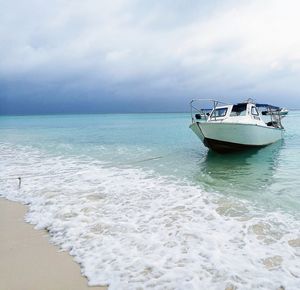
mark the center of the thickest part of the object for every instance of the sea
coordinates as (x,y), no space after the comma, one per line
(140,203)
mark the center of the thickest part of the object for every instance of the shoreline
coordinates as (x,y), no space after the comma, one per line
(29,260)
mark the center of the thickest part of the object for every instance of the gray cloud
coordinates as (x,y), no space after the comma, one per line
(155,55)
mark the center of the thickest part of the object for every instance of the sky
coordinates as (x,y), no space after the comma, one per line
(91,56)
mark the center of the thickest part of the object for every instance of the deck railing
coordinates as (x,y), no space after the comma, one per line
(204,113)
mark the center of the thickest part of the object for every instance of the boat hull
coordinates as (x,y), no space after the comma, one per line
(230,137)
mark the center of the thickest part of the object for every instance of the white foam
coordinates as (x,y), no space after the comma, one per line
(129,228)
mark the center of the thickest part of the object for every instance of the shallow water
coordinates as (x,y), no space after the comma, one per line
(140,202)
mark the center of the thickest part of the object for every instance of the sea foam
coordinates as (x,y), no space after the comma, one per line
(133,229)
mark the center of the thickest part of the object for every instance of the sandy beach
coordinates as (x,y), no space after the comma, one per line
(28,261)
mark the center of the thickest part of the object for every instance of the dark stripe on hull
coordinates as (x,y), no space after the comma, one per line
(228,147)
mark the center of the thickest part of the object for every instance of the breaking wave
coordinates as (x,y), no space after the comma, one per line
(130,228)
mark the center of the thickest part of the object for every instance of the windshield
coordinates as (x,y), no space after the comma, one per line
(221,112)
(238,110)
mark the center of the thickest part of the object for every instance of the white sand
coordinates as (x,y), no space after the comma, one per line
(28,261)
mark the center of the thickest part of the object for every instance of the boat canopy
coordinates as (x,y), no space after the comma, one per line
(267,106)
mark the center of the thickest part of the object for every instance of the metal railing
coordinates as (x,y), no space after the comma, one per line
(276,117)
(204,113)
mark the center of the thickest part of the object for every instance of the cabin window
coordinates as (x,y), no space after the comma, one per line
(238,110)
(254,111)
(221,112)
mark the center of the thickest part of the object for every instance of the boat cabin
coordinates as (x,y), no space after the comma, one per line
(238,110)
(247,112)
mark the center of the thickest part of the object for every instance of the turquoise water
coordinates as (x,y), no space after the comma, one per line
(125,160)
(269,176)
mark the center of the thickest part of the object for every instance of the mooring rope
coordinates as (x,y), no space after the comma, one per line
(148,159)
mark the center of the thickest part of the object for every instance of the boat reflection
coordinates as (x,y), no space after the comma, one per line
(245,173)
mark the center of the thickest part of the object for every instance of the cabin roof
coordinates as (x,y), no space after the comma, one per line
(267,106)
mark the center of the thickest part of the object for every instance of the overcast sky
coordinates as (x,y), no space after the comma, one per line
(129,55)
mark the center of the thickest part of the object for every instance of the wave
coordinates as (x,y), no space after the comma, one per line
(131,228)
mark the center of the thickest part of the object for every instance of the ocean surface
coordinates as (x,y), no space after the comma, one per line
(140,203)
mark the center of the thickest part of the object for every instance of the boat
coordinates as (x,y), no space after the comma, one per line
(224,127)
(281,111)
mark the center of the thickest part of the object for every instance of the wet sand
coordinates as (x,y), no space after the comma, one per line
(28,261)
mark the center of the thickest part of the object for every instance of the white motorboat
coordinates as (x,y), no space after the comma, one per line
(234,127)
(281,111)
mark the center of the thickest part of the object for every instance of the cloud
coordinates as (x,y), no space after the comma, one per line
(149,52)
